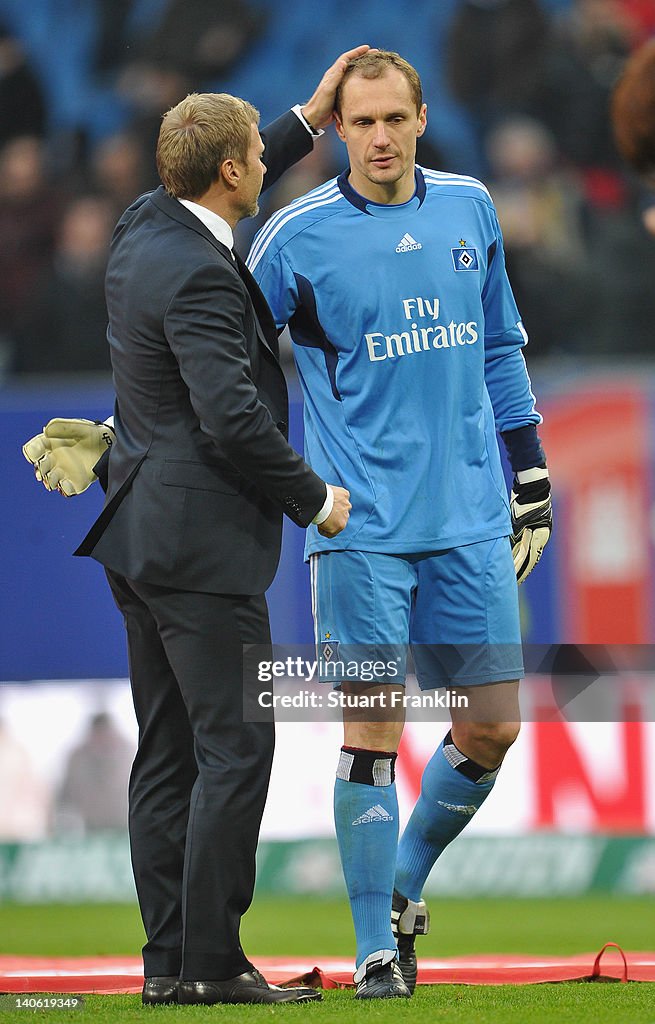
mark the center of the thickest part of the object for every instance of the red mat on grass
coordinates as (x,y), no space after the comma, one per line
(125,975)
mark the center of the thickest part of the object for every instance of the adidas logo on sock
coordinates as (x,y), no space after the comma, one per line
(376,813)
(408,244)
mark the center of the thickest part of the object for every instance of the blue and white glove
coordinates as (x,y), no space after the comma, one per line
(532,519)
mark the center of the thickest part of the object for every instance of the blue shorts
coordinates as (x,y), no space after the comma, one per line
(456,609)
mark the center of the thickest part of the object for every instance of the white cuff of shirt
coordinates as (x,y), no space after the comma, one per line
(324,512)
(109,422)
(314,132)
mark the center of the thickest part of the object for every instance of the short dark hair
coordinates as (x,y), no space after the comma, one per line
(197,135)
(633,110)
(374,65)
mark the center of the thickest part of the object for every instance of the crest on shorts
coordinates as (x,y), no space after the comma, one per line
(329,648)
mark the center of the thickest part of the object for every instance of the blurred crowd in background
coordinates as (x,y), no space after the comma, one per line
(86,795)
(517,94)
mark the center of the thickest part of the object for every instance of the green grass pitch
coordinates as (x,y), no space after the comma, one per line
(315,928)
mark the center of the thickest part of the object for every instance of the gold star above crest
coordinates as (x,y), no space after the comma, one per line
(327,636)
(462,241)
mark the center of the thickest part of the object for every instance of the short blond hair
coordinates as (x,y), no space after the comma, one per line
(374,65)
(197,135)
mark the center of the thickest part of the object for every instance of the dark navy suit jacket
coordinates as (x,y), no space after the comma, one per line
(201,470)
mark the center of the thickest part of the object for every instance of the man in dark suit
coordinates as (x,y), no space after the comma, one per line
(199,476)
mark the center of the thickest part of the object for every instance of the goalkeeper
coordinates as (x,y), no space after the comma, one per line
(408,345)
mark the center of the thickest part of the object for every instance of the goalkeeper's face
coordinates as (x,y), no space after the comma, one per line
(379,124)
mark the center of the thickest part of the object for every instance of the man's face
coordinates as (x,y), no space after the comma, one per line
(380,126)
(251,182)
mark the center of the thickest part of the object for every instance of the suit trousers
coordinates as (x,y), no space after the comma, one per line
(200,776)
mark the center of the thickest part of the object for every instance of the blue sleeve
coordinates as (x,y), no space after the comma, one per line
(276,280)
(506,374)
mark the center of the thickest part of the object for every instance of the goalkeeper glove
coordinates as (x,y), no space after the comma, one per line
(532,519)
(65,453)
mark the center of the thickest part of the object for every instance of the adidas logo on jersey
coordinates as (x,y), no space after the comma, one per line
(376,813)
(408,244)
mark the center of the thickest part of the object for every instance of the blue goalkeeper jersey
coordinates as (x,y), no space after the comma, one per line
(408,346)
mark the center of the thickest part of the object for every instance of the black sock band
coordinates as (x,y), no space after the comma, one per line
(461,763)
(369,767)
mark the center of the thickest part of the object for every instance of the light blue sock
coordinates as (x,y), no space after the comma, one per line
(366,820)
(447,802)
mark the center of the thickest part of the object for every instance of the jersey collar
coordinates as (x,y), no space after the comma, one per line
(368,206)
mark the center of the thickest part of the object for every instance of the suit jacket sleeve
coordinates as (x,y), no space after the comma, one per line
(101,470)
(204,326)
(286,141)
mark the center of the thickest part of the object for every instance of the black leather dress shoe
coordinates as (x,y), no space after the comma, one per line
(159,991)
(250,987)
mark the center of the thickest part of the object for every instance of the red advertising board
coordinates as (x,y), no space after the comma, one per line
(598,448)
